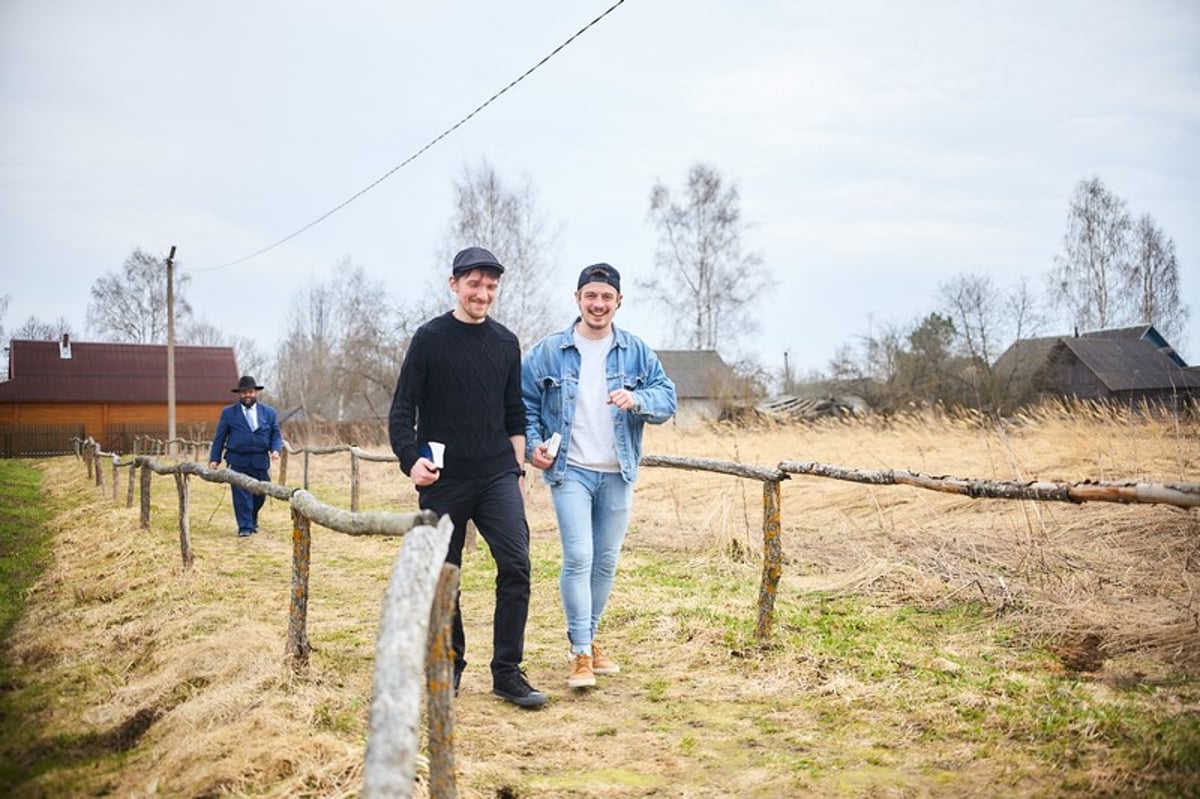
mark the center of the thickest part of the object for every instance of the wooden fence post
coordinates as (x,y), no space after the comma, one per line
(185,536)
(439,686)
(353,480)
(146,475)
(305,484)
(772,561)
(132,473)
(298,647)
(88,459)
(99,468)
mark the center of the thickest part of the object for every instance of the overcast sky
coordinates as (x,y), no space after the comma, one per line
(880,148)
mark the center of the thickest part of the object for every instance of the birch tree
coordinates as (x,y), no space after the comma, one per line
(130,306)
(705,279)
(1152,283)
(507,221)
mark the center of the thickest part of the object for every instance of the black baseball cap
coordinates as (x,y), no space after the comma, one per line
(475,258)
(600,273)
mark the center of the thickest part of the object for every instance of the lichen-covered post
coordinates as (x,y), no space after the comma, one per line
(305,470)
(146,475)
(283,459)
(185,536)
(772,561)
(99,468)
(129,492)
(298,647)
(353,480)
(439,684)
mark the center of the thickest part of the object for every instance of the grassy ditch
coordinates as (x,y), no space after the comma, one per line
(25,551)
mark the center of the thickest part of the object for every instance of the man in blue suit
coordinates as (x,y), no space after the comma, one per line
(248,432)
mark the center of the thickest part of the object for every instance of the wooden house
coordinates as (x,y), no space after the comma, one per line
(1129,365)
(112,392)
(703,382)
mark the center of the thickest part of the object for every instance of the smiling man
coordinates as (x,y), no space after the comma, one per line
(596,386)
(460,387)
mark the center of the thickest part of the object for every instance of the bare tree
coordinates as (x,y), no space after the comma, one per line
(1088,275)
(343,348)
(250,360)
(131,306)
(986,321)
(869,366)
(508,222)
(35,329)
(1153,282)
(304,364)
(705,279)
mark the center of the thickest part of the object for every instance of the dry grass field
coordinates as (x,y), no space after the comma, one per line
(925,645)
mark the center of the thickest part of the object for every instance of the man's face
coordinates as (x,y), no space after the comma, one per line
(598,303)
(248,396)
(475,290)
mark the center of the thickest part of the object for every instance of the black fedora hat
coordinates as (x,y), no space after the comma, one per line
(244,383)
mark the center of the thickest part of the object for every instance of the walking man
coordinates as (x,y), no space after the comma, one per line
(460,388)
(594,386)
(248,432)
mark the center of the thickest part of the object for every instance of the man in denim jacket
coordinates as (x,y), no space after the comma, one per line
(595,386)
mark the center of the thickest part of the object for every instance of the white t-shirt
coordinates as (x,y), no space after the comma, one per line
(592,445)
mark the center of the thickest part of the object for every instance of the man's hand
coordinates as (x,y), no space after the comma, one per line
(424,473)
(213,464)
(538,458)
(274,455)
(623,398)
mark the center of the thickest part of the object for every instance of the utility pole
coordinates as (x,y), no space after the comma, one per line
(171,352)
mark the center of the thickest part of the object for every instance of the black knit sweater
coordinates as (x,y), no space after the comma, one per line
(460,384)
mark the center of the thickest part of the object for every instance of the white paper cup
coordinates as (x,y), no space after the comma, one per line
(437,451)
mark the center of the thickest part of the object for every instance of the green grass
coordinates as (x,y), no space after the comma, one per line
(883,683)
(24,541)
(25,550)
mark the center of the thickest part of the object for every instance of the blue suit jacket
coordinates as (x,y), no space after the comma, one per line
(245,448)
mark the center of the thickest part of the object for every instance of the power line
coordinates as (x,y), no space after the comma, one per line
(418,153)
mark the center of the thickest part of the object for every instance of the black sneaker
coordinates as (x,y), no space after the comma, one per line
(513,687)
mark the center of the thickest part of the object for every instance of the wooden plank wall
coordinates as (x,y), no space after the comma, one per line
(113,425)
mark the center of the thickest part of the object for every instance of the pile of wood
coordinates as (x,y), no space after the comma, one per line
(792,408)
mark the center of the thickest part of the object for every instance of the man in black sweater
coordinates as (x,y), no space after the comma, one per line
(460,387)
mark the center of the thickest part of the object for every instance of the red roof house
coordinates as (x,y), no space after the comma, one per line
(60,389)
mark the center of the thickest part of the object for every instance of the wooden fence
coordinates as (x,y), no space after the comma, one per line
(1183,495)
(37,440)
(414,632)
(411,597)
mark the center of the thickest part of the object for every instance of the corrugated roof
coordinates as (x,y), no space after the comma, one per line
(697,374)
(1109,353)
(1124,364)
(107,372)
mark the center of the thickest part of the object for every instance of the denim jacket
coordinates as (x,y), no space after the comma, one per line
(550,380)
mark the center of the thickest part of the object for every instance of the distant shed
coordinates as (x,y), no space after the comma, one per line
(112,392)
(703,382)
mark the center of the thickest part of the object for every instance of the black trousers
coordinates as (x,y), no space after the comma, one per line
(496,506)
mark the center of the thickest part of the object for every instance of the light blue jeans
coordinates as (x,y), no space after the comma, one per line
(593,512)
